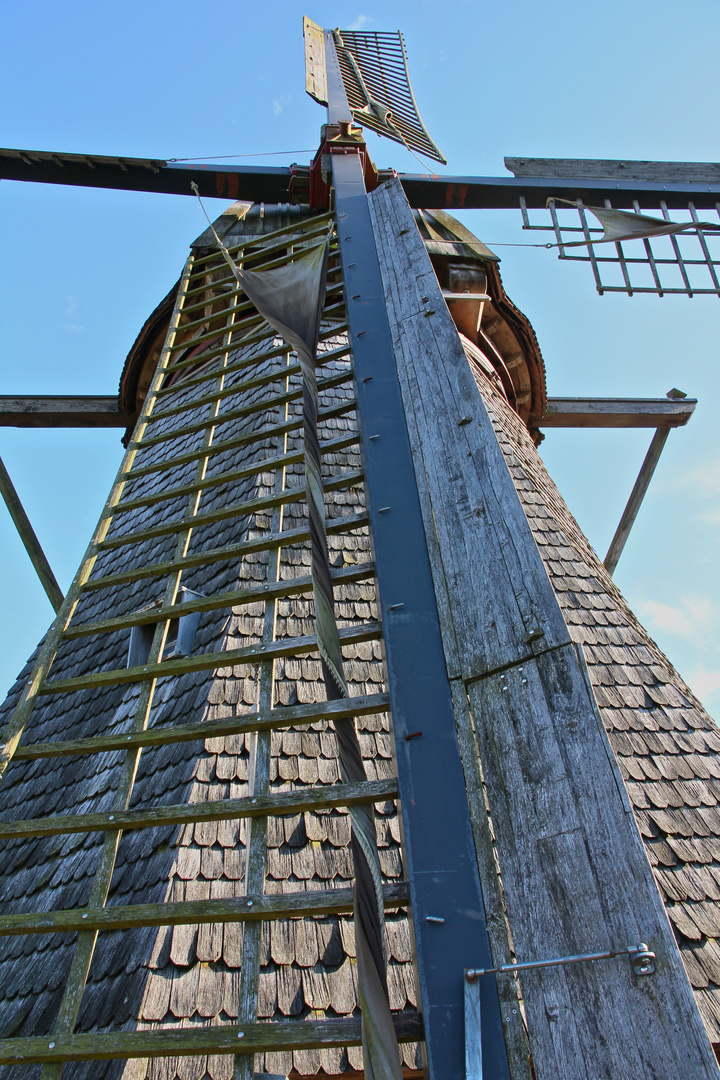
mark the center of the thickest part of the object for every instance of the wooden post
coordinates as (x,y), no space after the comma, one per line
(574,871)
(636,497)
(30,540)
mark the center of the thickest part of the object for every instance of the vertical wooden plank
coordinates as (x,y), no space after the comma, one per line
(574,871)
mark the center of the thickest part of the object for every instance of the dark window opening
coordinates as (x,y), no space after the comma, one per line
(180,635)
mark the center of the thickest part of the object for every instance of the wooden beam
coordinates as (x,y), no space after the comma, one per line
(30,540)
(575,874)
(256,907)
(79,411)
(636,497)
(285,802)
(197,1041)
(601,169)
(564,412)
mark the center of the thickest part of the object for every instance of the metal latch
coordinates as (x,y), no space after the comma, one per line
(641,958)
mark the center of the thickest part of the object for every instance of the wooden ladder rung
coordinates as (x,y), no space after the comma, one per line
(257,1038)
(294,905)
(175,460)
(250,506)
(166,669)
(287,538)
(234,598)
(295,457)
(165,735)
(263,405)
(276,804)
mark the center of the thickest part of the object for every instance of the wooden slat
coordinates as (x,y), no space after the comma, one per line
(266,241)
(614,413)
(275,804)
(250,506)
(294,905)
(603,169)
(253,469)
(347,522)
(175,460)
(190,381)
(246,410)
(56,411)
(261,335)
(233,389)
(195,1041)
(163,735)
(260,261)
(235,597)
(167,669)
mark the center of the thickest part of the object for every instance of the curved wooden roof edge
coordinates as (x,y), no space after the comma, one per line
(445,237)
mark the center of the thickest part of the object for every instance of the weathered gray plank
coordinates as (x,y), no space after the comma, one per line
(574,871)
(614,413)
(58,411)
(194,1041)
(601,169)
(566,839)
(463,478)
(250,908)
(288,802)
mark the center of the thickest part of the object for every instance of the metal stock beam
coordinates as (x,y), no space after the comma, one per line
(277,184)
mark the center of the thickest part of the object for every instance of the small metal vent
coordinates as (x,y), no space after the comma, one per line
(377,84)
(687,263)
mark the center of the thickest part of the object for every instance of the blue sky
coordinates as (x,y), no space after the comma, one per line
(80,270)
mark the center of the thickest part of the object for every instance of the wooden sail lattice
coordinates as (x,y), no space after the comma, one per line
(377,83)
(687,264)
(223,385)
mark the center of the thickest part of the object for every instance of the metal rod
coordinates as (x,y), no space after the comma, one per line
(639,953)
(30,540)
(636,497)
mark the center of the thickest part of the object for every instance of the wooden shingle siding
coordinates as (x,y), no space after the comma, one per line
(187,975)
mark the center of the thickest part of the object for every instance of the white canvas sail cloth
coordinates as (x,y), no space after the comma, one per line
(622,225)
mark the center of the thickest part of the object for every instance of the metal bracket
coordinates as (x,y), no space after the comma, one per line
(641,958)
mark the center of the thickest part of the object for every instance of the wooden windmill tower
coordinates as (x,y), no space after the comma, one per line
(190,760)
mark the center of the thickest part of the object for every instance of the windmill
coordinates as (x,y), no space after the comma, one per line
(539,938)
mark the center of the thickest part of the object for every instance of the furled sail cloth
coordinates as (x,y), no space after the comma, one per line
(292,298)
(622,225)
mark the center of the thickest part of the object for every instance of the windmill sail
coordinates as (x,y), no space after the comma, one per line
(377,83)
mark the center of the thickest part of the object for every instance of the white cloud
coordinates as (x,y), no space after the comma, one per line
(280,103)
(693,617)
(705,683)
(359,23)
(666,617)
(73,327)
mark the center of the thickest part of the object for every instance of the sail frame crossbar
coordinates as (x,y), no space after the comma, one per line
(686,264)
(147,456)
(377,83)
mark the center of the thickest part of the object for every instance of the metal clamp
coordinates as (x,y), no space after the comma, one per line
(641,958)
